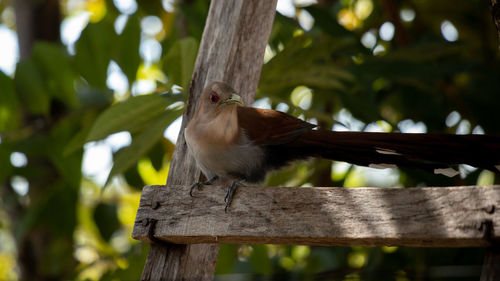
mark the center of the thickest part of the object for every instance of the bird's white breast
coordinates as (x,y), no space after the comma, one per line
(219,146)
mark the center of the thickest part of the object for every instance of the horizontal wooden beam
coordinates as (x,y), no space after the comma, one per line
(463,216)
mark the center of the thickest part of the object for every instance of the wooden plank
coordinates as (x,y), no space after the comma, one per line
(232,50)
(422,217)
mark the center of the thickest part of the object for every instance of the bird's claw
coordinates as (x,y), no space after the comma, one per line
(198,185)
(229,194)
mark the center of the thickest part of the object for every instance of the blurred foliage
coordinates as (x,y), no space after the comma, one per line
(327,63)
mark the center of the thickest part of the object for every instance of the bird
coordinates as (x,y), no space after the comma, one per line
(242,144)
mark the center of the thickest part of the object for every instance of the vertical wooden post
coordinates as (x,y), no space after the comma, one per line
(491,265)
(495,14)
(231,50)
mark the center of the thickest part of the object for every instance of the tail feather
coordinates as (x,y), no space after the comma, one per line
(422,151)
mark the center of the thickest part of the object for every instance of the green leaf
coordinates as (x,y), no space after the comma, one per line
(129,115)
(156,155)
(57,209)
(9,105)
(77,141)
(260,261)
(134,179)
(228,255)
(127,49)
(106,219)
(303,61)
(320,76)
(327,21)
(136,258)
(150,7)
(31,88)
(179,62)
(6,150)
(196,12)
(93,52)
(54,210)
(56,70)
(93,97)
(68,166)
(142,143)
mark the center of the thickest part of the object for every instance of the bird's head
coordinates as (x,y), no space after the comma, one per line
(216,112)
(218,95)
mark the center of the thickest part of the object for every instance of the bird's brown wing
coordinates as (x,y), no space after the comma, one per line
(270,127)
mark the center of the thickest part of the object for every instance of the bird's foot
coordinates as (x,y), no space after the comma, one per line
(198,185)
(230,192)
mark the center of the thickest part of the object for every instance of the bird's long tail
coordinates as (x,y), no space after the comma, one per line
(431,152)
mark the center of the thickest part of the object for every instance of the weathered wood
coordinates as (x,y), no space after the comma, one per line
(430,216)
(495,14)
(171,258)
(231,50)
(491,265)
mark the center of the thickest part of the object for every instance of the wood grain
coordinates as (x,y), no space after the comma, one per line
(495,14)
(491,265)
(422,217)
(231,50)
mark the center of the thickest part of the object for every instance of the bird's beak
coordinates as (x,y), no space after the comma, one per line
(234,99)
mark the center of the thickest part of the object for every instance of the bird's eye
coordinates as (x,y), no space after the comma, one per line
(214,98)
